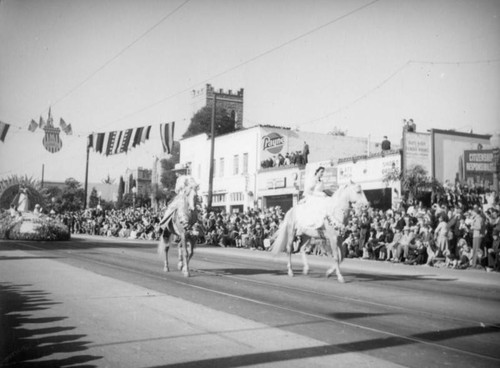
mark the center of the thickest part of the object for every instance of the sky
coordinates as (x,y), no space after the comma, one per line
(361,66)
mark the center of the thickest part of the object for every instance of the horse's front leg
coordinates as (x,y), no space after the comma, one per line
(180,262)
(289,249)
(165,264)
(337,256)
(305,264)
(183,256)
(289,264)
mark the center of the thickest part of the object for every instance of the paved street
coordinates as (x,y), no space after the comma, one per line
(95,302)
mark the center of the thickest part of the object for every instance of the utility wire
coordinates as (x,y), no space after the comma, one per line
(248,61)
(386,80)
(149,30)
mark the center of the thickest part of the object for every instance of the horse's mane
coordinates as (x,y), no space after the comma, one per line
(336,208)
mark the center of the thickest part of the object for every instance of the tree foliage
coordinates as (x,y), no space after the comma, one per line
(415,182)
(72,197)
(94,198)
(202,120)
(121,189)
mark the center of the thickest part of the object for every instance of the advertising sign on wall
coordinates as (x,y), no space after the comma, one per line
(417,151)
(448,150)
(330,179)
(371,170)
(479,167)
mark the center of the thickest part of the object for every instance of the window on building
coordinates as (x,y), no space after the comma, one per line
(245,163)
(219,198)
(221,168)
(237,197)
(236,164)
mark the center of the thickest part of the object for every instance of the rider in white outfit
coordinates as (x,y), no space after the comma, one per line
(313,208)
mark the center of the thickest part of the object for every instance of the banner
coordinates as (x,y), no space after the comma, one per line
(167,136)
(479,167)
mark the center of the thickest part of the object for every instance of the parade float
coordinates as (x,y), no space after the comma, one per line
(21,212)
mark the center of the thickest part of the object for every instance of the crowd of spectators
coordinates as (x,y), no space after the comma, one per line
(290,158)
(459,230)
(249,229)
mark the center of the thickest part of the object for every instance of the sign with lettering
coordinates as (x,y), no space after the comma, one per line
(479,161)
(479,166)
(417,151)
(370,170)
(273,143)
(276,183)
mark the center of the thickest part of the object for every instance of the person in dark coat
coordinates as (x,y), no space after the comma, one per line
(305,153)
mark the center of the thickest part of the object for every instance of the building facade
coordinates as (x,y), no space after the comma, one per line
(141,179)
(231,101)
(243,179)
(371,172)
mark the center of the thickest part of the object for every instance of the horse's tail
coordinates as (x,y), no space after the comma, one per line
(282,235)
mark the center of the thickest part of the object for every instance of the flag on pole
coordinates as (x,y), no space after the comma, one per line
(33,126)
(50,121)
(167,136)
(68,130)
(4,128)
(42,123)
(63,125)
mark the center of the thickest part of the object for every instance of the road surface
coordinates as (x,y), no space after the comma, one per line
(98,302)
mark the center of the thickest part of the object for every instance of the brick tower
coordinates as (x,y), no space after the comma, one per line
(229,100)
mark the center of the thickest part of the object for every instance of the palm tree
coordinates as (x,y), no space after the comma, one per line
(415,182)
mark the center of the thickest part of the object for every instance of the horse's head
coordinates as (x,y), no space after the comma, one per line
(357,198)
(191,192)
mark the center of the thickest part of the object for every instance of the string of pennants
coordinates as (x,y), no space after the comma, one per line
(116,142)
(108,143)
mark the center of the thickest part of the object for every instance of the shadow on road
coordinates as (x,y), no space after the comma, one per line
(337,349)
(30,342)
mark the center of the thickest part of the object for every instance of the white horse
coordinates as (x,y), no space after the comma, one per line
(180,224)
(337,207)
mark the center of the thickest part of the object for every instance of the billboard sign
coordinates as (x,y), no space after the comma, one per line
(273,143)
(479,167)
(417,151)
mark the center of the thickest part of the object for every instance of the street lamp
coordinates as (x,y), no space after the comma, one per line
(134,195)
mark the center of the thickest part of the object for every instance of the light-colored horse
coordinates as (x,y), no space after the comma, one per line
(180,225)
(338,207)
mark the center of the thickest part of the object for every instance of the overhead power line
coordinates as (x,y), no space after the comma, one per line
(248,61)
(121,52)
(391,76)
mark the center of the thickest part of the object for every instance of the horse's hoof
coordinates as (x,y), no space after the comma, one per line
(341,279)
(305,271)
(165,269)
(290,273)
